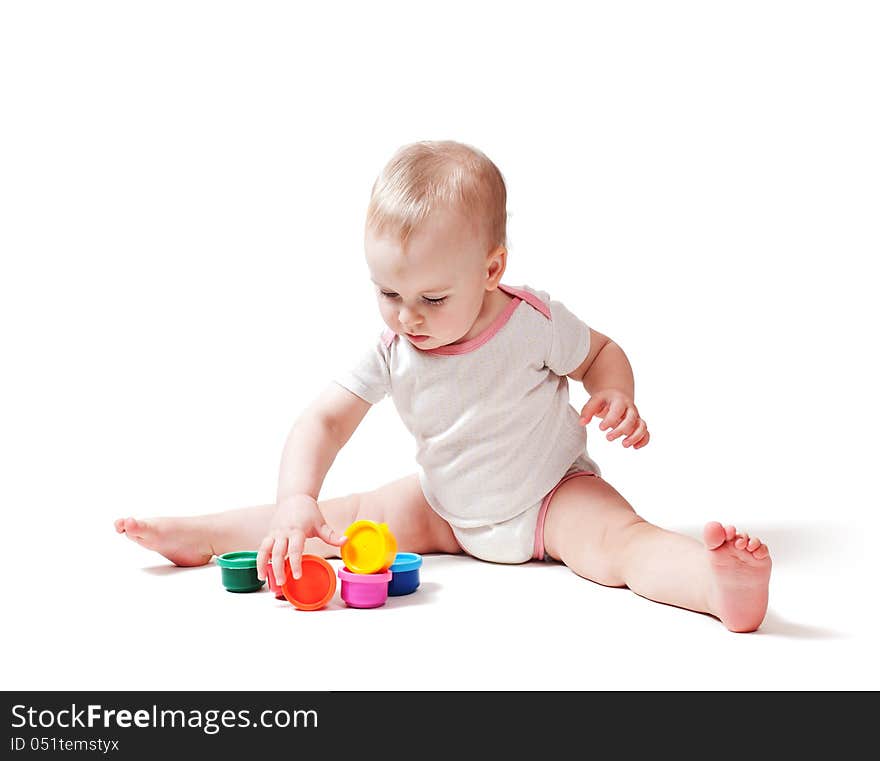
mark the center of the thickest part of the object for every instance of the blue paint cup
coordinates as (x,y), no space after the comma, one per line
(404,574)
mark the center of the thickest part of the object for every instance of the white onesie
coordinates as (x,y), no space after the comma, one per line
(494,429)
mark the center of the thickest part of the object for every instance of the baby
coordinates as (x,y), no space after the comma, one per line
(478,371)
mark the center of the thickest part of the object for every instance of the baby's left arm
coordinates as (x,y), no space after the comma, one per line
(608,378)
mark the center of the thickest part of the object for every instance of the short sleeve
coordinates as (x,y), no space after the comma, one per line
(570,340)
(369,378)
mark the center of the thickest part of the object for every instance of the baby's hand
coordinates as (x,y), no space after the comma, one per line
(618,412)
(296,519)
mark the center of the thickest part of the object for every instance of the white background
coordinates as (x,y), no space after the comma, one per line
(182,195)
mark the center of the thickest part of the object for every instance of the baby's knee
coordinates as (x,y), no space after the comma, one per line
(402,506)
(603,557)
(341,511)
(368,506)
(395,507)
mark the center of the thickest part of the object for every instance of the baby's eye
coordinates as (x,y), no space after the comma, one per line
(432,302)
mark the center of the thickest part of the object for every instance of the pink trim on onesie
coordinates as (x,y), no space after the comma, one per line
(478,341)
(499,322)
(529,298)
(538,553)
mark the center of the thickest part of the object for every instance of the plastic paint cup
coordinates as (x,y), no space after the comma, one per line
(364,590)
(314,588)
(404,574)
(239,571)
(273,585)
(370,547)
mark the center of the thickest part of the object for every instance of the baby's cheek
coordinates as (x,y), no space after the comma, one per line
(442,323)
(461,318)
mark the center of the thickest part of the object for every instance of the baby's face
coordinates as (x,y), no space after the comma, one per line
(431,294)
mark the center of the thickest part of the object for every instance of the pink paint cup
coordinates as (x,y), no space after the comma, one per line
(364,590)
(273,585)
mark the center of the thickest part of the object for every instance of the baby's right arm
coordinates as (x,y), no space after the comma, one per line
(312,445)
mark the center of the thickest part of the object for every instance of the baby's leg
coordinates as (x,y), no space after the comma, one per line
(193,540)
(596,533)
(402,505)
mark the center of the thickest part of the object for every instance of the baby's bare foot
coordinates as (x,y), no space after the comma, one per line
(741,577)
(178,539)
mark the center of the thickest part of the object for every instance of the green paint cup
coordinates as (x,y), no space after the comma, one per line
(239,571)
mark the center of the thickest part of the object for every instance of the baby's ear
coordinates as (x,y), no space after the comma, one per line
(496,263)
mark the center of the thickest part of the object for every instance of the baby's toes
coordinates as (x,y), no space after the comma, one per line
(761,552)
(753,544)
(713,535)
(729,532)
(133,527)
(119,523)
(741,541)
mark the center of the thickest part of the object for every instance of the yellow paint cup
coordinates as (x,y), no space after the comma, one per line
(370,547)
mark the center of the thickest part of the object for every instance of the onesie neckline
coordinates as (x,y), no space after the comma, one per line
(499,322)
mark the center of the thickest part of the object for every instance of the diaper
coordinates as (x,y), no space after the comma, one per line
(522,537)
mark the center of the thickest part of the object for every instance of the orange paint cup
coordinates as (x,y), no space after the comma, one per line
(314,588)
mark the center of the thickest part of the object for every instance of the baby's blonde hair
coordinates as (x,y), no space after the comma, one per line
(431,174)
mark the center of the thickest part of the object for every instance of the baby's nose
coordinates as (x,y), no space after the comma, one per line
(408,317)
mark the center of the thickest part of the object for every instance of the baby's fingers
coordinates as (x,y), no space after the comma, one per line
(637,434)
(615,414)
(331,536)
(295,552)
(593,407)
(263,553)
(279,551)
(626,426)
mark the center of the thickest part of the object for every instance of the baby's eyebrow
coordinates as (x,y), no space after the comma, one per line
(427,290)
